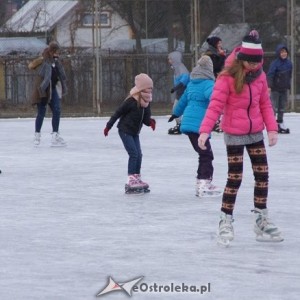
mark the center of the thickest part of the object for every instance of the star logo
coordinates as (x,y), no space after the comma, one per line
(113,286)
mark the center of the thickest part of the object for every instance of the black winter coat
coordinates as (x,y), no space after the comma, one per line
(132,117)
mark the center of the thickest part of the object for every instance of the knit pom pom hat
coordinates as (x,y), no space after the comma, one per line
(251,49)
(213,41)
(142,82)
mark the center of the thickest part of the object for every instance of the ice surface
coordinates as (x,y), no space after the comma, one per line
(66,224)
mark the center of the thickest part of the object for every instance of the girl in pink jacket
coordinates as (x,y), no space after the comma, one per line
(241,94)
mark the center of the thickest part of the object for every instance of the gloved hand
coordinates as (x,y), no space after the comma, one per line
(44,101)
(177,87)
(152,124)
(105,131)
(272,137)
(202,140)
(173,117)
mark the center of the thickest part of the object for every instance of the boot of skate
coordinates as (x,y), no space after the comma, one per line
(133,182)
(139,178)
(204,188)
(283,129)
(264,228)
(226,231)
(37,138)
(57,140)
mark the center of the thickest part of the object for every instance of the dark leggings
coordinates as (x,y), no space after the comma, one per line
(205,157)
(258,157)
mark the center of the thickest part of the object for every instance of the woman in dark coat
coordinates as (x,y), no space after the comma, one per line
(49,86)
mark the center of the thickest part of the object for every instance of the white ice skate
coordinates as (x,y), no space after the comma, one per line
(37,139)
(204,188)
(226,232)
(57,140)
(265,230)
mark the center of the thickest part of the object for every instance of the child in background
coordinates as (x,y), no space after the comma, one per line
(241,94)
(192,107)
(279,80)
(181,79)
(218,55)
(133,113)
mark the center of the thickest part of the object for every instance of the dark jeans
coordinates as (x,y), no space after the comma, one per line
(279,100)
(133,148)
(55,108)
(205,166)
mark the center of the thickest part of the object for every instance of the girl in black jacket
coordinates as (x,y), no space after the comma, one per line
(133,113)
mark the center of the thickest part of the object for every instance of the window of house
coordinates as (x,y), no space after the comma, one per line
(104,19)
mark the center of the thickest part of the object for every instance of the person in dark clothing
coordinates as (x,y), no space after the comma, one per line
(279,81)
(192,106)
(218,56)
(50,85)
(216,53)
(133,113)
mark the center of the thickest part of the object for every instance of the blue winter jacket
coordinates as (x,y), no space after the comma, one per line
(280,72)
(193,103)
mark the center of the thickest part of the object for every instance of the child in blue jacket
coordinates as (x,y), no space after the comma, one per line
(192,107)
(181,79)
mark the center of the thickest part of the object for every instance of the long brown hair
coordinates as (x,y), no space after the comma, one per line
(237,71)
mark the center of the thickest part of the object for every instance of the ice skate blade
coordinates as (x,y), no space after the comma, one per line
(224,242)
(58,146)
(269,239)
(136,191)
(209,194)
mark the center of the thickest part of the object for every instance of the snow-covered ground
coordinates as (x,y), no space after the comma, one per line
(66,224)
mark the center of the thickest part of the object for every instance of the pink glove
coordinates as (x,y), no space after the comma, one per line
(202,140)
(273,137)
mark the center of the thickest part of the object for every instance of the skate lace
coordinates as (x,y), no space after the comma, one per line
(264,222)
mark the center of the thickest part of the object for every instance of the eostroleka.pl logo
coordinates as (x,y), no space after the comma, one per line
(132,286)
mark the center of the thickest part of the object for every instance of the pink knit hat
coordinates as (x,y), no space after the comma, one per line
(251,49)
(142,81)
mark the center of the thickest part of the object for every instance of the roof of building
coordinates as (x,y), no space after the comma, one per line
(21,45)
(39,15)
(231,35)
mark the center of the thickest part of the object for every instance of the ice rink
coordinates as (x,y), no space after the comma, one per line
(66,224)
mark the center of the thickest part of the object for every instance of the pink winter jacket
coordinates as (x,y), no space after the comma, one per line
(248,112)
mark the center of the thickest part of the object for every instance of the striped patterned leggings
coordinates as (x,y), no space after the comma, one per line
(258,157)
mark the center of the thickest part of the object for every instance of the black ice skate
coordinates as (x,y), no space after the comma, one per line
(175,130)
(282,129)
(217,127)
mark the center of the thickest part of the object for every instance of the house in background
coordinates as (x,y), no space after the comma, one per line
(67,22)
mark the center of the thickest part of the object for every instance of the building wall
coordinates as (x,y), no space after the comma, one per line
(83,36)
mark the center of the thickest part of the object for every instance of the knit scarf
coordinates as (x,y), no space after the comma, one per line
(252,75)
